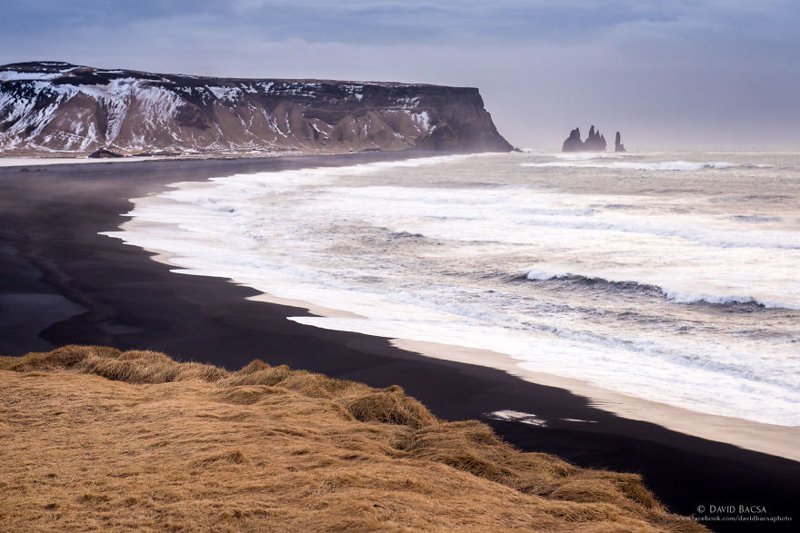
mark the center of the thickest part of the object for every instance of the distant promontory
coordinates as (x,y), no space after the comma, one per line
(54,108)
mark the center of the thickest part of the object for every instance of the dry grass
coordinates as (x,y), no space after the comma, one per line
(97,439)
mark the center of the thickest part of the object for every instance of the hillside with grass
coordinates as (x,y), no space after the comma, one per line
(98,439)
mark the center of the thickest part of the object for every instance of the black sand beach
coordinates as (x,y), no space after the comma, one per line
(61,282)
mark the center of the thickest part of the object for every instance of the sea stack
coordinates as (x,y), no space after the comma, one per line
(573,142)
(595,142)
(618,146)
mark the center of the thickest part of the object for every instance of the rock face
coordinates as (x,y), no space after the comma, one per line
(595,142)
(573,143)
(618,146)
(102,153)
(51,107)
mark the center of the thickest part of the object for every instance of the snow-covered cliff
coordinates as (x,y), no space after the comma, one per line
(53,107)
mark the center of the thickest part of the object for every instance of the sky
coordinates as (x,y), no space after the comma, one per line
(678,74)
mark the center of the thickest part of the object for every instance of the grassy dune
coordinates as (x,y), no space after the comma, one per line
(95,438)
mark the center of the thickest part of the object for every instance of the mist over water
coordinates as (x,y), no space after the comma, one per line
(671,277)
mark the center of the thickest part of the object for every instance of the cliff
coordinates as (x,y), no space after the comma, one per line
(52,107)
(97,438)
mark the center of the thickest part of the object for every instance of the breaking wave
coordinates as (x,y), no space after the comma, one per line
(675,166)
(425,251)
(650,290)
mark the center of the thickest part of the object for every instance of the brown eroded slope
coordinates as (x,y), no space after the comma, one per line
(95,438)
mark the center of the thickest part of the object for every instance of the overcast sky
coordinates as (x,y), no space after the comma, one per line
(668,74)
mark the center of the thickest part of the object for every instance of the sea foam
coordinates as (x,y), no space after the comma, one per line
(422,250)
(678,295)
(674,166)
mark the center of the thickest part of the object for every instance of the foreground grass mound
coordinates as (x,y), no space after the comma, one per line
(98,439)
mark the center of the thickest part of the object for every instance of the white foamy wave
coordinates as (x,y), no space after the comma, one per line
(538,275)
(515,212)
(586,156)
(679,295)
(723,299)
(329,236)
(707,236)
(675,166)
(693,382)
(672,165)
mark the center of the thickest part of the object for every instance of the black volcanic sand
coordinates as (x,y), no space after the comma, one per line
(61,282)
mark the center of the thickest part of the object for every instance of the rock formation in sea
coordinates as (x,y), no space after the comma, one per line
(595,142)
(60,108)
(573,143)
(618,146)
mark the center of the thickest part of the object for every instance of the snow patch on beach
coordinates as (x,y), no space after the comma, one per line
(37,161)
(509,415)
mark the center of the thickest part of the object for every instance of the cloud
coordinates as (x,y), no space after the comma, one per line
(679,73)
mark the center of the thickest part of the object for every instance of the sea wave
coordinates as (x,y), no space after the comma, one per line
(755,218)
(648,289)
(710,237)
(585,156)
(425,253)
(675,166)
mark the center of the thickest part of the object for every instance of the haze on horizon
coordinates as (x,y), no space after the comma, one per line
(670,75)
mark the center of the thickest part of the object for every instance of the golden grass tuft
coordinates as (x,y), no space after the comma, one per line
(258,373)
(96,438)
(135,366)
(389,407)
(234,457)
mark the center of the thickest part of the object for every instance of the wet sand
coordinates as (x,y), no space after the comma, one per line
(63,283)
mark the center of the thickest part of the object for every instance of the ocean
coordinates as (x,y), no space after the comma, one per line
(671,277)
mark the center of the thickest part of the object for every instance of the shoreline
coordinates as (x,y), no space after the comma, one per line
(751,435)
(764,438)
(71,158)
(132,301)
(773,439)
